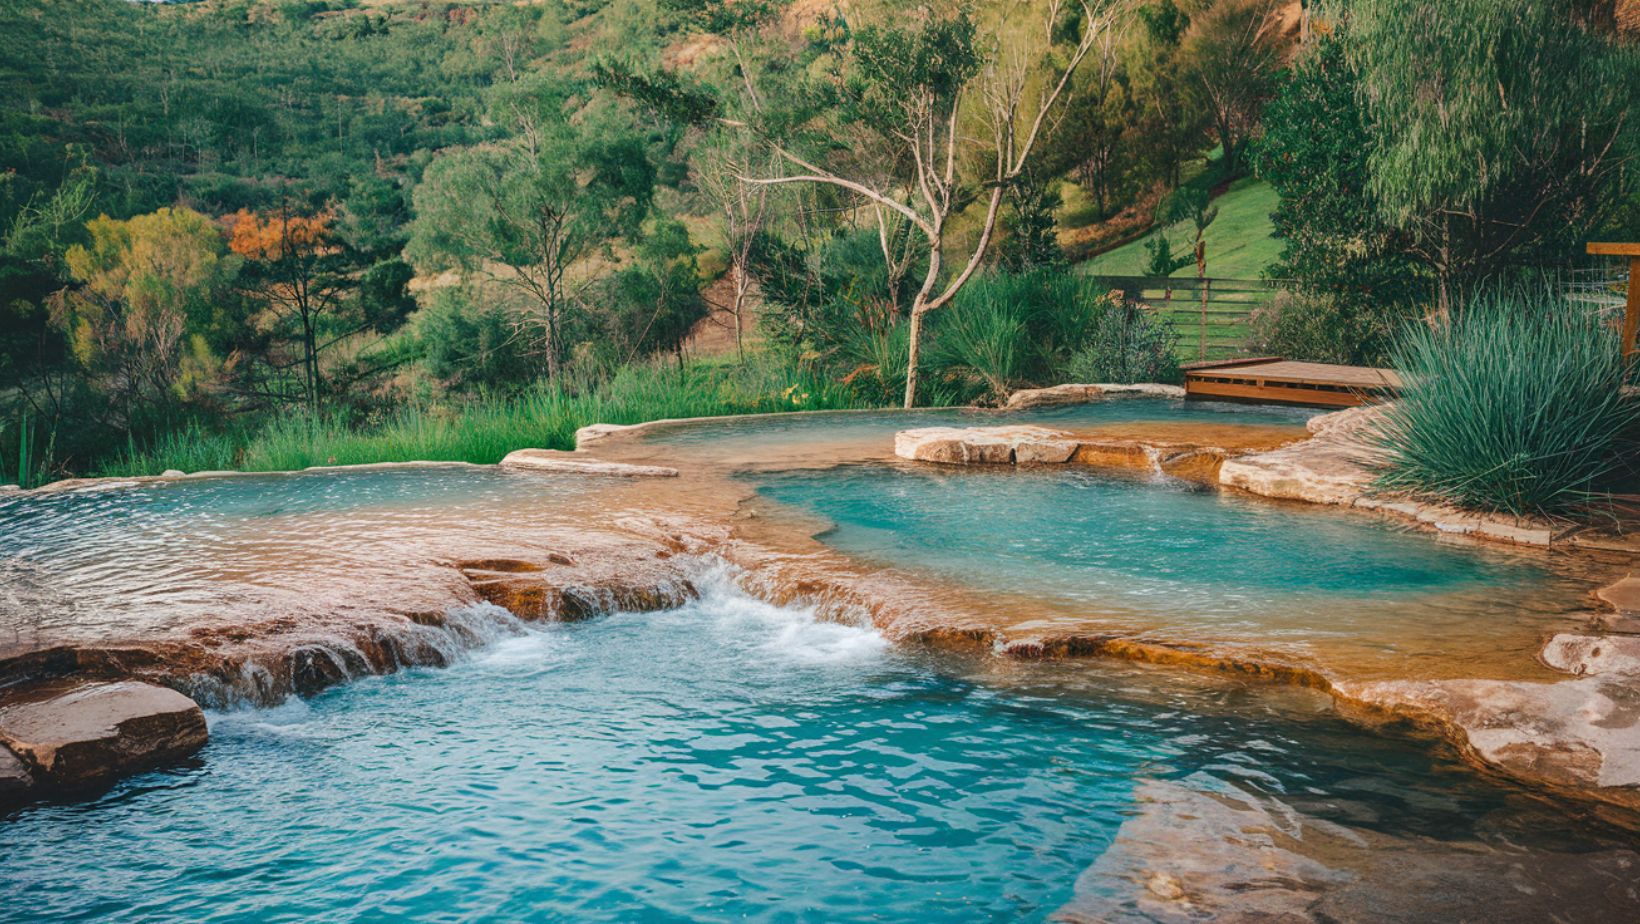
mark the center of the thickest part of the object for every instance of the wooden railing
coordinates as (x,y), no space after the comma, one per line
(1210,314)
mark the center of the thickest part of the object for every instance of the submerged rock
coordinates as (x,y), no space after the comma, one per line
(1579,736)
(1202,850)
(1623,596)
(568,463)
(85,734)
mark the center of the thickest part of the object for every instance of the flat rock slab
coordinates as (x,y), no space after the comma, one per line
(90,733)
(1624,596)
(568,463)
(1581,735)
(1081,394)
(1594,654)
(985,445)
(1333,466)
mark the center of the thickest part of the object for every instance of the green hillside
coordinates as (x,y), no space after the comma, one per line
(1239,242)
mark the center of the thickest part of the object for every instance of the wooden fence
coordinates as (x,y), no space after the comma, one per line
(1210,314)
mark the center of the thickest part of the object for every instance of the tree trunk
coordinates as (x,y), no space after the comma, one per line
(917,313)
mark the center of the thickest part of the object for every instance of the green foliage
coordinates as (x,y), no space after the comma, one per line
(651,306)
(1513,406)
(1327,328)
(1006,331)
(485,430)
(1314,153)
(1125,344)
(1030,240)
(522,214)
(1230,59)
(1499,128)
(471,345)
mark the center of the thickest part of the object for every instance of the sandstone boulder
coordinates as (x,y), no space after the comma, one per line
(1579,735)
(1081,394)
(1333,466)
(85,734)
(1594,654)
(985,445)
(569,463)
(1624,596)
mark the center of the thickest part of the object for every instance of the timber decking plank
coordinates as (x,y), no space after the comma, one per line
(1291,382)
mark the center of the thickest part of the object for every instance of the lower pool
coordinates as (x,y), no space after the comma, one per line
(725,760)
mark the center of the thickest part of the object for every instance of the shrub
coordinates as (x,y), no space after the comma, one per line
(1125,345)
(1513,406)
(1004,330)
(1327,328)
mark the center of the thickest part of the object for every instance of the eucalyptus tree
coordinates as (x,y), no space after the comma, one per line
(956,115)
(1499,129)
(524,213)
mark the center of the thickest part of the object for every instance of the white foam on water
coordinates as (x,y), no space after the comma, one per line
(794,634)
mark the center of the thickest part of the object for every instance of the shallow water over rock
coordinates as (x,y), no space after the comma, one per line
(121,562)
(1169,560)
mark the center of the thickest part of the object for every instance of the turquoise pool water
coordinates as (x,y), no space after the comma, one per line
(725,760)
(1199,563)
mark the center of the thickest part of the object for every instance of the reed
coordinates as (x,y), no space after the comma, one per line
(1514,406)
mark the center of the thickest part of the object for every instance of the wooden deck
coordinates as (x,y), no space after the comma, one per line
(1271,380)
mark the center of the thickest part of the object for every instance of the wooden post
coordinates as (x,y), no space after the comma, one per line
(1207,286)
(1631,313)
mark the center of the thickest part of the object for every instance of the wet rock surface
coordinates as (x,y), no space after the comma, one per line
(985,445)
(1578,736)
(84,734)
(1079,394)
(568,463)
(1220,854)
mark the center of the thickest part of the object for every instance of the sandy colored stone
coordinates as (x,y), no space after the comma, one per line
(984,445)
(593,433)
(1201,850)
(553,461)
(1083,393)
(1334,466)
(1594,654)
(97,731)
(1582,734)
(1623,596)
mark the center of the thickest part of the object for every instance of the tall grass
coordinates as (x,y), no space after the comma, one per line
(1515,406)
(484,431)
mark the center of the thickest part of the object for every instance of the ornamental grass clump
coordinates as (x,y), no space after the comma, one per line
(1515,406)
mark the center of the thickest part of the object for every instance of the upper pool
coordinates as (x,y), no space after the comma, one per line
(1174,560)
(775,438)
(143,558)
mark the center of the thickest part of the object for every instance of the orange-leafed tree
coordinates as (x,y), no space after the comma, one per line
(319,290)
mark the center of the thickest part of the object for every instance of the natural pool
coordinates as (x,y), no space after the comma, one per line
(733,759)
(725,760)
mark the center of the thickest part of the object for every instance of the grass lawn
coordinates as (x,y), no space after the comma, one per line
(1239,242)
